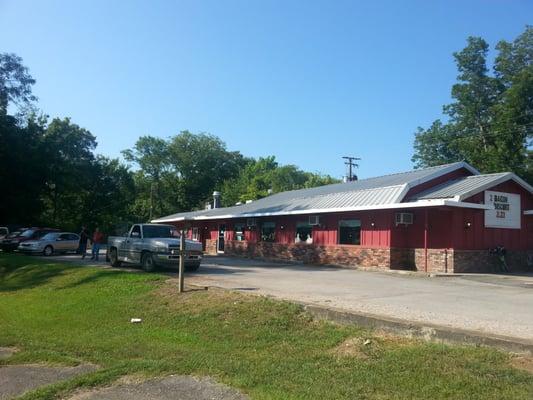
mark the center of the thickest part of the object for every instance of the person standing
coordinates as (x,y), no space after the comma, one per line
(98,239)
(84,238)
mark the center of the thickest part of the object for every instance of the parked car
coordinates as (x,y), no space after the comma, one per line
(53,242)
(10,228)
(12,241)
(153,245)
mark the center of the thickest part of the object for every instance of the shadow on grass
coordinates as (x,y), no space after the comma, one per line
(19,272)
(95,276)
(28,276)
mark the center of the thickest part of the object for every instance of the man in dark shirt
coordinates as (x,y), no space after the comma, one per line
(84,237)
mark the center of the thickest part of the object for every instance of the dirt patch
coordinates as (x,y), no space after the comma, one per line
(6,352)
(369,347)
(200,298)
(351,347)
(168,388)
(523,363)
(16,380)
(388,339)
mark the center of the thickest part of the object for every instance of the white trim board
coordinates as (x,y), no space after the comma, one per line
(391,206)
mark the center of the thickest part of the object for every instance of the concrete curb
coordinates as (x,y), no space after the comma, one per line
(417,330)
(407,328)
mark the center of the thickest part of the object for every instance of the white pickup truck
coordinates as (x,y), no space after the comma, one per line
(153,245)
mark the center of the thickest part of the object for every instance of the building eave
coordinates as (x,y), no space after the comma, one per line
(391,206)
(504,178)
(437,174)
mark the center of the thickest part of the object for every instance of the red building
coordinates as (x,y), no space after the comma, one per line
(439,219)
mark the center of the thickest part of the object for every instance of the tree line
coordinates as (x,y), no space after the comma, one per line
(51,174)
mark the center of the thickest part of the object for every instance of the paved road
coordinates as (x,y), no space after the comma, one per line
(489,303)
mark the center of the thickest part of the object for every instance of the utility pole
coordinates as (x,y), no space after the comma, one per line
(350,163)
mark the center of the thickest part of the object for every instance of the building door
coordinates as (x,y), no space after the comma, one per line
(221,236)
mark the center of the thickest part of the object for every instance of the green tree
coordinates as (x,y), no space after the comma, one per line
(23,173)
(180,173)
(155,180)
(22,176)
(203,163)
(489,124)
(109,206)
(50,173)
(263,176)
(15,82)
(69,162)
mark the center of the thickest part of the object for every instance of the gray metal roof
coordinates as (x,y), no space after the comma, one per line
(382,190)
(465,187)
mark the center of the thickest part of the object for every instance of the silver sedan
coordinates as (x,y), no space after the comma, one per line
(54,242)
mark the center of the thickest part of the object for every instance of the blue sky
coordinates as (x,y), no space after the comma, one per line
(306,81)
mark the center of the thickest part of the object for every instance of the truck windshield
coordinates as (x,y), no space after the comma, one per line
(159,231)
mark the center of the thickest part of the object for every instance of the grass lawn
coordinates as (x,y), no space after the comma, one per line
(60,313)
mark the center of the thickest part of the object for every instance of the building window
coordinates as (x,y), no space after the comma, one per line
(304,233)
(195,234)
(268,231)
(239,232)
(350,231)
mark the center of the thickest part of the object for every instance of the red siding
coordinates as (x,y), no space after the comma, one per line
(326,232)
(447,226)
(478,237)
(412,236)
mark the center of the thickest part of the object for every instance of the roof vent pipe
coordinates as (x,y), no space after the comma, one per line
(216,199)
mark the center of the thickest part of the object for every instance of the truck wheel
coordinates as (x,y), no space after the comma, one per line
(147,262)
(113,258)
(48,251)
(192,267)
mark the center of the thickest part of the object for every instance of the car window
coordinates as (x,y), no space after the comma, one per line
(136,231)
(50,236)
(28,233)
(41,233)
(73,236)
(159,231)
(64,236)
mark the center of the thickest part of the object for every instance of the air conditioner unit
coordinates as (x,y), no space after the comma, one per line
(251,222)
(314,220)
(404,218)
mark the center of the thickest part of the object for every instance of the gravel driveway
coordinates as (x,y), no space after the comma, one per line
(493,304)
